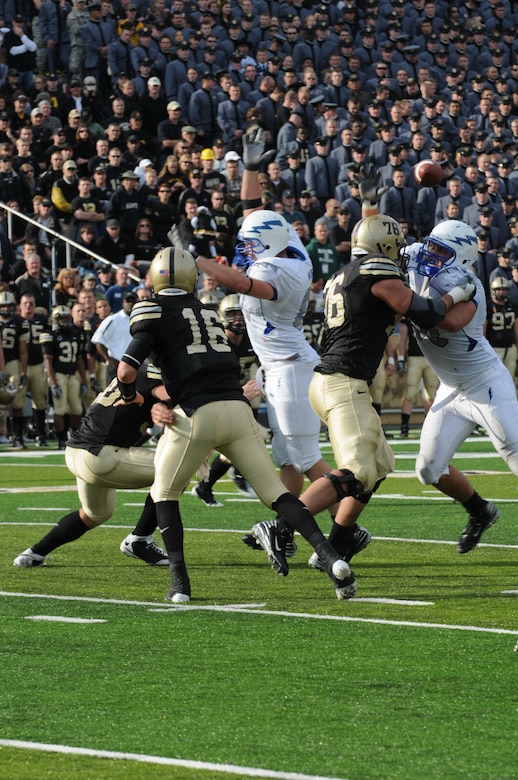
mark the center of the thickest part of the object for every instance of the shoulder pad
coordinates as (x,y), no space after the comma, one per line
(145,315)
(380,266)
(46,338)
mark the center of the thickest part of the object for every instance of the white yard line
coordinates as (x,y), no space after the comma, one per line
(242,771)
(252,610)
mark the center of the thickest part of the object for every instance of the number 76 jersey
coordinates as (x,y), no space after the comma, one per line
(188,343)
(461,357)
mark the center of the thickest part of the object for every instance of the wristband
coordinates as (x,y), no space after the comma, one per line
(252,166)
(391,361)
(127,390)
(252,204)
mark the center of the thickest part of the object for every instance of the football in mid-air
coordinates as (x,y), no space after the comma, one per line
(427,173)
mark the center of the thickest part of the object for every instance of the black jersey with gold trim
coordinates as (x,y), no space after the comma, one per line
(357,324)
(65,345)
(119,426)
(36,326)
(12,331)
(187,342)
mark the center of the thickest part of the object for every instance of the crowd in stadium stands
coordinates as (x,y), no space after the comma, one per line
(121,120)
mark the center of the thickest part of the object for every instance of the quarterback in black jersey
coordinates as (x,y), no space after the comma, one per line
(104,455)
(201,375)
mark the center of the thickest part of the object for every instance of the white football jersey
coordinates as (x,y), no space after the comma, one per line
(457,358)
(275,327)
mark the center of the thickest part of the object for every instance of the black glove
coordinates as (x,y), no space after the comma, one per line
(94,384)
(370,188)
(23,380)
(83,389)
(57,392)
(254,155)
(401,365)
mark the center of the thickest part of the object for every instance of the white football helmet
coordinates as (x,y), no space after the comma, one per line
(263,234)
(451,243)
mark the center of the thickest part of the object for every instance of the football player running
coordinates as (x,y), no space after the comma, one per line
(201,375)
(476,389)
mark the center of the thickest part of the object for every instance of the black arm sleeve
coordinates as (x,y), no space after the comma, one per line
(138,350)
(425,312)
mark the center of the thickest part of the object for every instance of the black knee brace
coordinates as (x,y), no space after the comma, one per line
(365,496)
(345,477)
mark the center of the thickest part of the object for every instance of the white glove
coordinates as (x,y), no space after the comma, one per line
(464,290)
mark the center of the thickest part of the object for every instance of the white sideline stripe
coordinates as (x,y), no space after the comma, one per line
(44,508)
(243,771)
(245,530)
(510,592)
(61,619)
(274,613)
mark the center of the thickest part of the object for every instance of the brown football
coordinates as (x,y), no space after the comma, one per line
(427,173)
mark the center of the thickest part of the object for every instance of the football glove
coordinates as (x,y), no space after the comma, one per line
(254,154)
(57,392)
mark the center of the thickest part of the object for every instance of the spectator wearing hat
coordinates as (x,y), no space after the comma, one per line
(63,192)
(169,130)
(321,173)
(21,52)
(13,187)
(512,242)
(75,19)
(507,185)
(471,214)
(212,179)
(126,205)
(148,145)
(286,139)
(176,70)
(86,209)
(400,202)
(55,34)
(194,190)
(503,267)
(340,235)
(97,34)
(111,245)
(153,105)
(203,110)
(293,174)
(232,117)
(119,53)
(291,212)
(19,115)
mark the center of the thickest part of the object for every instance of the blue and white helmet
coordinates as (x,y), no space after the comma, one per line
(451,243)
(263,234)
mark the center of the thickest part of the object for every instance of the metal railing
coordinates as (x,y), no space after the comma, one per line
(69,244)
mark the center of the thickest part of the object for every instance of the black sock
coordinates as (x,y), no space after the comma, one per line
(147,521)
(171,528)
(377,407)
(69,528)
(297,516)
(405,419)
(340,537)
(475,504)
(39,422)
(218,468)
(18,427)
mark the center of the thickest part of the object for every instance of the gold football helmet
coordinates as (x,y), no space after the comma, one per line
(8,389)
(231,314)
(7,304)
(173,268)
(60,316)
(378,235)
(500,287)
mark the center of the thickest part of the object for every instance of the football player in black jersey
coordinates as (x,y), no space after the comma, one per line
(362,303)
(63,353)
(502,323)
(37,321)
(14,334)
(104,455)
(201,375)
(231,315)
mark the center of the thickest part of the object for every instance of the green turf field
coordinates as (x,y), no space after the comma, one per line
(260,676)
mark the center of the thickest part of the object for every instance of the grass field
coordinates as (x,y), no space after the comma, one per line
(260,676)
